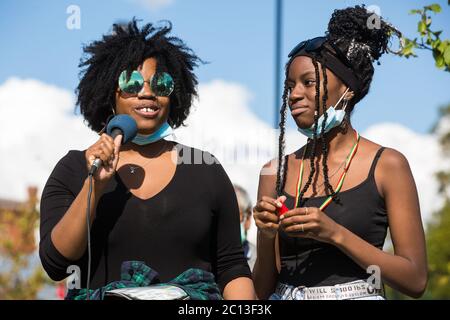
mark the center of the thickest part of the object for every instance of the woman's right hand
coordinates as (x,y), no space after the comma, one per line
(266,215)
(107,150)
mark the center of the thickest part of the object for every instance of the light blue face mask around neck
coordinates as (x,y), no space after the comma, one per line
(334,118)
(163,131)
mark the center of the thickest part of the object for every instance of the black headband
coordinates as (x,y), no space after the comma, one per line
(326,55)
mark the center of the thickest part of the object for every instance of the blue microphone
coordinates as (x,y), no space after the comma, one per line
(121,124)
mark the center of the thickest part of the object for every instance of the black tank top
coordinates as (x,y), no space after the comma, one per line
(362,210)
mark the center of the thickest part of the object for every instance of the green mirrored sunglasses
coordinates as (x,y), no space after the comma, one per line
(161,83)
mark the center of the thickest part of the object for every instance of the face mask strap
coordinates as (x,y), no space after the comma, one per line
(344,123)
(345,104)
(337,103)
(308,132)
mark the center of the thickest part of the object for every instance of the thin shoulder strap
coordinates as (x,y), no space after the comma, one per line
(375,160)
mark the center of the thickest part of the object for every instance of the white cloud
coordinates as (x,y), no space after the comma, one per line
(38,128)
(153,5)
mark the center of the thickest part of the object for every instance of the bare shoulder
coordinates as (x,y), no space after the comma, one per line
(269,168)
(268,173)
(393,159)
(394,173)
(368,147)
(268,179)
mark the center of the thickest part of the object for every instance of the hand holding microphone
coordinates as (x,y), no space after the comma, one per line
(103,156)
(102,159)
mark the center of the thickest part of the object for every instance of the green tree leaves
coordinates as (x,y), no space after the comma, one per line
(428,39)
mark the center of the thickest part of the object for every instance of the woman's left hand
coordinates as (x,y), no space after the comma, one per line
(309,222)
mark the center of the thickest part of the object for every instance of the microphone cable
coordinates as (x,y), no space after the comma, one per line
(88,225)
(120,124)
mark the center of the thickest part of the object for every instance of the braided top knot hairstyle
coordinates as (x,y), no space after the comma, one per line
(348,31)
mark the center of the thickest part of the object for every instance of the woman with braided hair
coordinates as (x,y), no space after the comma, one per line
(322,217)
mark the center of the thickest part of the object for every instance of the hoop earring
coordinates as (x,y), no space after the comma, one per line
(103,130)
(344,104)
(344,124)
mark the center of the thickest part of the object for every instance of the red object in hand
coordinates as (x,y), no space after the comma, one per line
(282,210)
(61,290)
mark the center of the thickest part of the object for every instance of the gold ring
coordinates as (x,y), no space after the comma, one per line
(306,210)
(303,230)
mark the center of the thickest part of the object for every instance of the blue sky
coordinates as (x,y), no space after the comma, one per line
(237,38)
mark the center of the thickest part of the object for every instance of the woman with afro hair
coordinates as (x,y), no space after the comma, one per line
(153,200)
(323,215)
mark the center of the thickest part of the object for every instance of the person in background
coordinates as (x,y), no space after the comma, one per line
(245,211)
